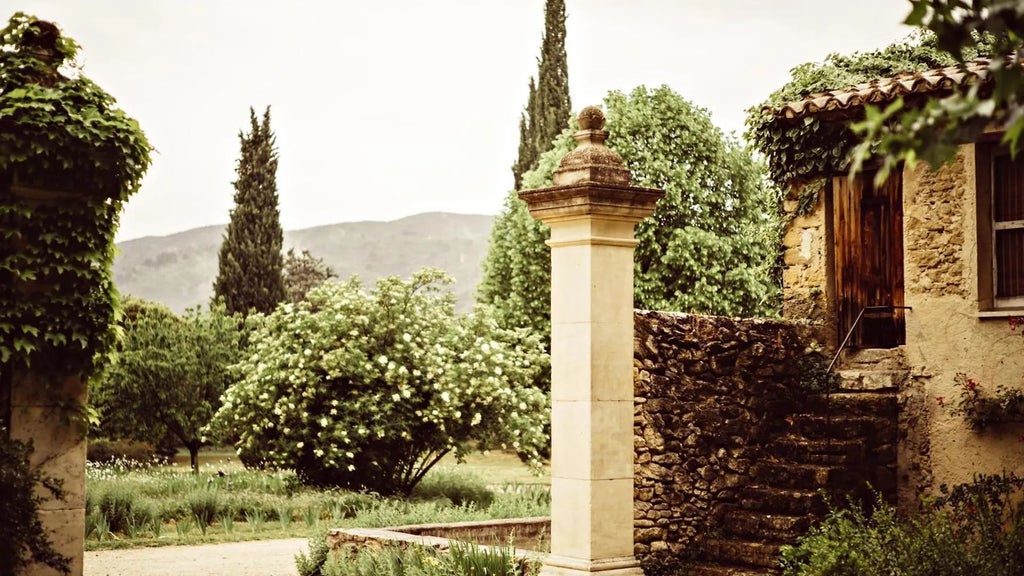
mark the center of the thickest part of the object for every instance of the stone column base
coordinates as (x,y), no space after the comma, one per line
(562,566)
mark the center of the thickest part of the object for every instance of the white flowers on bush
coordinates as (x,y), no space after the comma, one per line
(369,389)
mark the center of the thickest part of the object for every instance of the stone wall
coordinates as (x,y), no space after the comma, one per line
(708,391)
(936,210)
(804,260)
(946,331)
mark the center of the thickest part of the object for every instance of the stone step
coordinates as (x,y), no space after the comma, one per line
(881,404)
(800,450)
(810,476)
(873,359)
(715,569)
(774,527)
(870,380)
(740,552)
(837,426)
(782,501)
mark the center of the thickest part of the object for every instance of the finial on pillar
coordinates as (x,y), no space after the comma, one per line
(591,160)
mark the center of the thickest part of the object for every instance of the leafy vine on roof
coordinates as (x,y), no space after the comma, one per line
(69,158)
(806,149)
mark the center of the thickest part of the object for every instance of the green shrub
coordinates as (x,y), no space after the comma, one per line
(22,538)
(462,558)
(103,451)
(521,501)
(368,389)
(118,505)
(460,488)
(466,558)
(205,505)
(313,564)
(975,529)
(349,504)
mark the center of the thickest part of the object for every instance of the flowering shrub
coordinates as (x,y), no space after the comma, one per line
(369,389)
(975,528)
(982,411)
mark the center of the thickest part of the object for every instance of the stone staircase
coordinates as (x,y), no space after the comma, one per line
(834,444)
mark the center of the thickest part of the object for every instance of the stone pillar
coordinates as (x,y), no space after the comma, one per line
(39,414)
(592,211)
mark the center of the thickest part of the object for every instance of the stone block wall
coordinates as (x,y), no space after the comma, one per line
(805,260)
(708,392)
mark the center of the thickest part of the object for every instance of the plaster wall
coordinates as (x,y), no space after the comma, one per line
(946,333)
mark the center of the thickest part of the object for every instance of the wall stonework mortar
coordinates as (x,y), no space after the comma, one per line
(935,206)
(713,395)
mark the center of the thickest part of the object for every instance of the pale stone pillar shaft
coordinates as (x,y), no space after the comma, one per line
(592,212)
(59,446)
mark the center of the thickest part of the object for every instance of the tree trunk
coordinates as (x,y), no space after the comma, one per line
(193,456)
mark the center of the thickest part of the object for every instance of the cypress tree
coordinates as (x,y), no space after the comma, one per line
(548,109)
(250,262)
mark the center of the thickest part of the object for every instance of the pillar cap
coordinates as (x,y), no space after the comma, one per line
(591,160)
(591,181)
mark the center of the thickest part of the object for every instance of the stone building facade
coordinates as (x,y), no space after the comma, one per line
(954,325)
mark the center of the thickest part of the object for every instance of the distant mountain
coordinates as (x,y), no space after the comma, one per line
(178,270)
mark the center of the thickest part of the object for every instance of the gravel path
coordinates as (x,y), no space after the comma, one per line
(260,558)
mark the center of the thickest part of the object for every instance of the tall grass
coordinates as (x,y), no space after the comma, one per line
(128,503)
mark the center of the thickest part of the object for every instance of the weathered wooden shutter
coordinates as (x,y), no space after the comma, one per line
(1008,225)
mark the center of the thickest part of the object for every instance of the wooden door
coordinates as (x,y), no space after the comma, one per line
(868,234)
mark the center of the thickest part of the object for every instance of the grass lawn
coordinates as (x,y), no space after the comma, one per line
(496,467)
(168,505)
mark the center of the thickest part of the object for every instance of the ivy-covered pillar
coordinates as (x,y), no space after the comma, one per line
(592,211)
(68,160)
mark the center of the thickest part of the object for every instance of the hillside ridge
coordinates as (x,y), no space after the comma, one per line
(178,269)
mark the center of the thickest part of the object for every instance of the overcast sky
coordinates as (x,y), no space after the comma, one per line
(387,108)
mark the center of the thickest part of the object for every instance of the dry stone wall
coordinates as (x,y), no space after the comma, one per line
(708,390)
(804,260)
(936,209)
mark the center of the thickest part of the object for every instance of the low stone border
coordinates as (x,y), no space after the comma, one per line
(440,536)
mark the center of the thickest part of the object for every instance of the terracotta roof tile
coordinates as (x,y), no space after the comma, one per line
(885,90)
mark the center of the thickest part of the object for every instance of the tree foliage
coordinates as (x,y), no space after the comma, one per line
(250,262)
(303,272)
(963,30)
(370,389)
(711,245)
(548,107)
(168,374)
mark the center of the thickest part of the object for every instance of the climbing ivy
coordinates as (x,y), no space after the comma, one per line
(807,149)
(69,158)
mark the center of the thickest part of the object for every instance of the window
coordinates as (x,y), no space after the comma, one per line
(1000,228)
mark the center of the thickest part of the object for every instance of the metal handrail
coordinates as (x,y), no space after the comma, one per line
(849,334)
(839,352)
